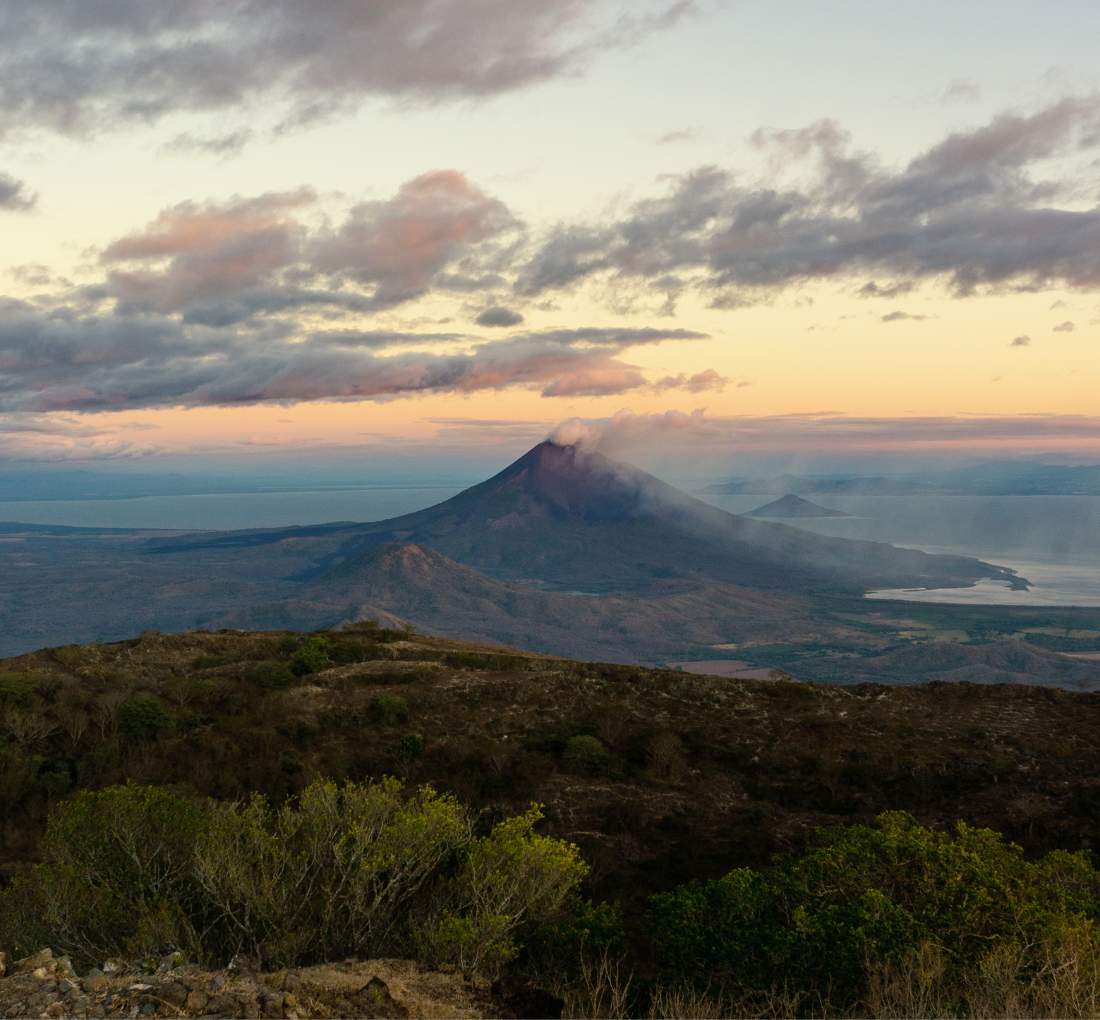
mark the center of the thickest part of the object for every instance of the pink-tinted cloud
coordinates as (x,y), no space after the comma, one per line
(399,245)
(212,250)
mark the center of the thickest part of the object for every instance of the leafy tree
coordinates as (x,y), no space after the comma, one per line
(272,675)
(585,754)
(312,656)
(143,718)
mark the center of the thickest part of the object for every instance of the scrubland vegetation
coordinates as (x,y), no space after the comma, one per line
(643,842)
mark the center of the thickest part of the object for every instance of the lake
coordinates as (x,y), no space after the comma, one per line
(1053,541)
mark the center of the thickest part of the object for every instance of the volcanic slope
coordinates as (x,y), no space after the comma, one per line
(570,520)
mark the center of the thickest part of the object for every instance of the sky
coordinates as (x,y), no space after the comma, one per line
(264,235)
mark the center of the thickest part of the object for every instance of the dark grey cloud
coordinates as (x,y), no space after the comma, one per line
(63,360)
(972,211)
(14,196)
(1021,341)
(1065,327)
(74,66)
(497,316)
(900,316)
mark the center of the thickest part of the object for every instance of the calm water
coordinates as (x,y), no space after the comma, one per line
(1053,541)
(221,511)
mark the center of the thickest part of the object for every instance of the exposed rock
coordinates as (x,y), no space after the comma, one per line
(43,958)
(46,986)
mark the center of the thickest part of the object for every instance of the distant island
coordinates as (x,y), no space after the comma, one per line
(790,506)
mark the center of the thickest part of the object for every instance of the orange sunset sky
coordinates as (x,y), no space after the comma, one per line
(232,231)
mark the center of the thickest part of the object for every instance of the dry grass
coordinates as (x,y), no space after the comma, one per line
(427,994)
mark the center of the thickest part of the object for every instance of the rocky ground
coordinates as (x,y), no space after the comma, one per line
(43,985)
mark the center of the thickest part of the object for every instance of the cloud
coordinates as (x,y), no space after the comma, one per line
(708,379)
(824,433)
(497,316)
(1021,341)
(685,135)
(14,196)
(1065,327)
(401,244)
(207,252)
(961,90)
(226,145)
(221,262)
(902,317)
(64,361)
(82,67)
(971,212)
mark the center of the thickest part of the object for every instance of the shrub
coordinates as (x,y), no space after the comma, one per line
(312,656)
(411,746)
(861,898)
(586,755)
(272,675)
(143,718)
(331,879)
(117,859)
(349,870)
(390,707)
(508,879)
(16,689)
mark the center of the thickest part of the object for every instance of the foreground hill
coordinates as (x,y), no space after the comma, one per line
(685,775)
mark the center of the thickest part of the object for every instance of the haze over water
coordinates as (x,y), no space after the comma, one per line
(1053,541)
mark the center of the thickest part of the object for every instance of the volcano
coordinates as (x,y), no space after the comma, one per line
(560,518)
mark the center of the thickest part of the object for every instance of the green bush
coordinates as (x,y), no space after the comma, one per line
(312,656)
(508,880)
(272,675)
(861,898)
(143,718)
(412,744)
(358,869)
(586,755)
(16,689)
(117,860)
(390,707)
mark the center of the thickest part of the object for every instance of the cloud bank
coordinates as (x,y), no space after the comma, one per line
(823,434)
(65,361)
(79,67)
(972,212)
